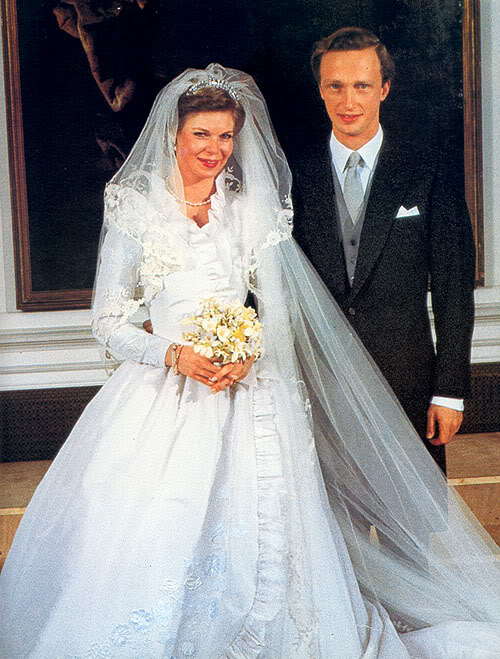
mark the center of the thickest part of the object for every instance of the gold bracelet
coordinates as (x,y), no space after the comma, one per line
(175,358)
(178,353)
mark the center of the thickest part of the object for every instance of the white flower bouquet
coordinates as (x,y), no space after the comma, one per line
(229,332)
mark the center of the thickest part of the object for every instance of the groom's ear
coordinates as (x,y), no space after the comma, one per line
(386,87)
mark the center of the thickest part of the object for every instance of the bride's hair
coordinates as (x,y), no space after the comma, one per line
(210,99)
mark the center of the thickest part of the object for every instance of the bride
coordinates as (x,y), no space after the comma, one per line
(221,511)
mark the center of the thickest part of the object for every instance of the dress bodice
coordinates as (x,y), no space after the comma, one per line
(212,270)
(154,255)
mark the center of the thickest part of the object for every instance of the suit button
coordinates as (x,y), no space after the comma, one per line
(352,311)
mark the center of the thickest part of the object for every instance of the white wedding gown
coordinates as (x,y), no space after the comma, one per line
(175,523)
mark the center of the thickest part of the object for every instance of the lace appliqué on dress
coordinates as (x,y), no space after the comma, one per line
(282,231)
(231,181)
(130,212)
(115,307)
(284,226)
(303,615)
(196,600)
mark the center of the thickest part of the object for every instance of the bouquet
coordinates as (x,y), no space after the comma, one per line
(229,332)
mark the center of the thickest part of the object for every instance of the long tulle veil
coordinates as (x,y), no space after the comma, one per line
(322,514)
(416,548)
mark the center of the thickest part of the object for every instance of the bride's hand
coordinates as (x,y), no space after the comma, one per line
(194,365)
(230,374)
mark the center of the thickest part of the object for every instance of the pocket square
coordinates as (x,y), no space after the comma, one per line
(410,212)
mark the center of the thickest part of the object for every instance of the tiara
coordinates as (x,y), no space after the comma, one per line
(212,82)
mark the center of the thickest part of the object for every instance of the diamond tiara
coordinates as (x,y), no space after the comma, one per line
(212,82)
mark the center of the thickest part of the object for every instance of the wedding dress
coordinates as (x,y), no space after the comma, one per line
(175,523)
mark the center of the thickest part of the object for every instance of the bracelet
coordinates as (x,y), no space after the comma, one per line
(175,358)
(176,351)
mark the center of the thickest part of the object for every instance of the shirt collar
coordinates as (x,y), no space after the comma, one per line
(368,151)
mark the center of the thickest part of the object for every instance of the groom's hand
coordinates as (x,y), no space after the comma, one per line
(444,422)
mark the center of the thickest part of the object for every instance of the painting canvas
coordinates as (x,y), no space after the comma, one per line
(82,75)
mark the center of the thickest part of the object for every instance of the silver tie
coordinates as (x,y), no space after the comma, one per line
(353,188)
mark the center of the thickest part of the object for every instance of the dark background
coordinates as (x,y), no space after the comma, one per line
(74,141)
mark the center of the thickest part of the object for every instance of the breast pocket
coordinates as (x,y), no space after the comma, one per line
(409,231)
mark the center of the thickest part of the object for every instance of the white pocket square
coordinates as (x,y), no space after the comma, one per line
(408,212)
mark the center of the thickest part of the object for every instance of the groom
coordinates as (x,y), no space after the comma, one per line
(379,219)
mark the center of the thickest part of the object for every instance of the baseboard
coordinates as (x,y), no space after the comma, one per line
(34,423)
(482,410)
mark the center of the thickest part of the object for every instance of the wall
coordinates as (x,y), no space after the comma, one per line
(486,345)
(56,349)
(37,350)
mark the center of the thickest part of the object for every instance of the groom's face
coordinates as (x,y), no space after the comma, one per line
(351,87)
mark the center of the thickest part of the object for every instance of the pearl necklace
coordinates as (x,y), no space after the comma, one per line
(189,203)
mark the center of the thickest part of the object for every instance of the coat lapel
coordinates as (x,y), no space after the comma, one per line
(390,182)
(325,246)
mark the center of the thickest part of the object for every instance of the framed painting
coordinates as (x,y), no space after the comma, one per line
(81,76)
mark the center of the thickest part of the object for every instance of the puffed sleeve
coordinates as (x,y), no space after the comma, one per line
(115,302)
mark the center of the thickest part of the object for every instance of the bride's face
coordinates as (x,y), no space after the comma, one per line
(204,144)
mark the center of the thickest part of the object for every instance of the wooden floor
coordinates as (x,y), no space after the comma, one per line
(473,468)
(18,481)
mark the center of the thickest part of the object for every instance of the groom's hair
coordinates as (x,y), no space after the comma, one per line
(353,38)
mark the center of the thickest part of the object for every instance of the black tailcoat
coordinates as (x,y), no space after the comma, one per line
(398,257)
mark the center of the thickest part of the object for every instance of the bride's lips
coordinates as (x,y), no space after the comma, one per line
(349,118)
(209,163)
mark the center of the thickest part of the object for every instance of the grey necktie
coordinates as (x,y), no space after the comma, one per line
(353,188)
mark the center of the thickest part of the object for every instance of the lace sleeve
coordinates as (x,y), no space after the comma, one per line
(115,302)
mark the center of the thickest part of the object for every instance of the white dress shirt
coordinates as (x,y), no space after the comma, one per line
(369,152)
(339,154)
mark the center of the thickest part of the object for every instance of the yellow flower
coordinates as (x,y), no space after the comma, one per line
(240,334)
